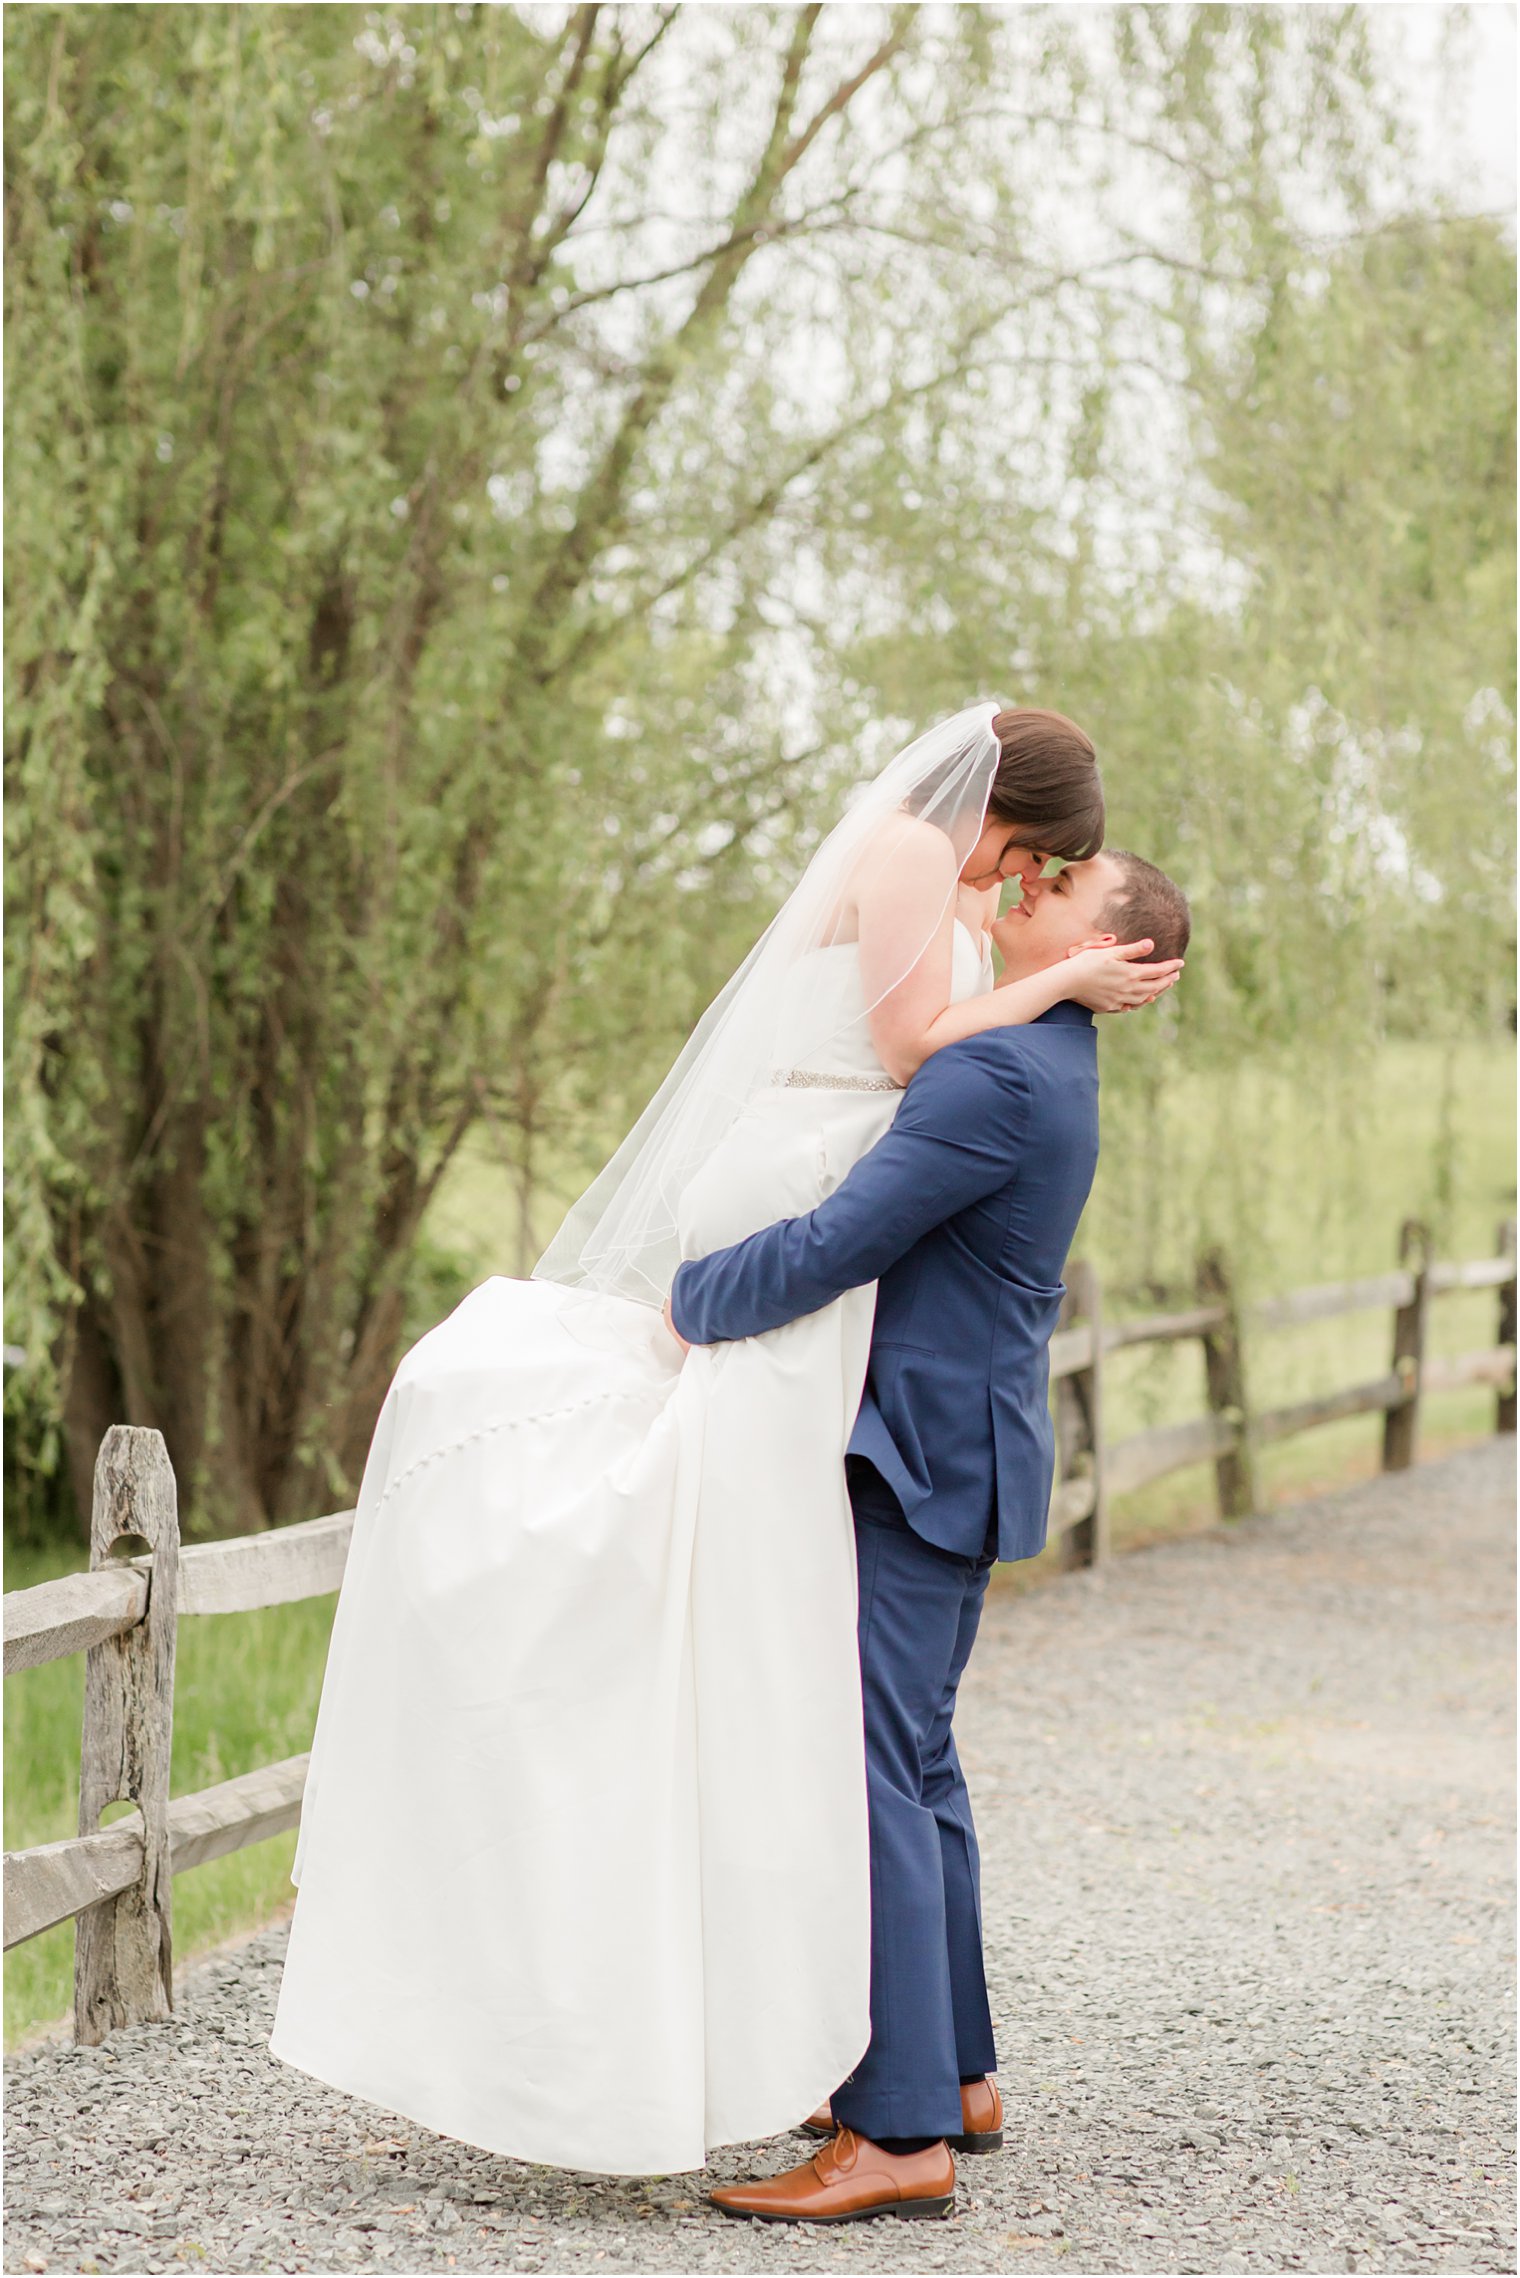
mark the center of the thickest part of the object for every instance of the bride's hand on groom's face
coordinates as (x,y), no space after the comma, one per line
(1114,976)
(675,1332)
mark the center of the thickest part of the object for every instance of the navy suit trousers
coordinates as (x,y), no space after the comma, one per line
(930,2023)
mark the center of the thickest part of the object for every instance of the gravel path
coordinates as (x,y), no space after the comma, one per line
(1245,1804)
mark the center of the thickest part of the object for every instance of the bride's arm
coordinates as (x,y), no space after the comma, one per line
(1108,977)
(906,894)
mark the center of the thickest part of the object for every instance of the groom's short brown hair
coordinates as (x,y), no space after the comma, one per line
(1147,905)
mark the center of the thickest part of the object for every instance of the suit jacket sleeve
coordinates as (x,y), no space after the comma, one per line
(956,1138)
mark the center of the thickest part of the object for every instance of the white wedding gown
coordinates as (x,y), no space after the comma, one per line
(583,1867)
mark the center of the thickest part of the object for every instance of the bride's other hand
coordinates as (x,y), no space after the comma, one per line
(675,1332)
(1112,976)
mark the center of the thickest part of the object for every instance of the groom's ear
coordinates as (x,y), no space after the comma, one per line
(1094,941)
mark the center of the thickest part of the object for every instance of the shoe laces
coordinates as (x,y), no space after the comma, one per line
(837,2154)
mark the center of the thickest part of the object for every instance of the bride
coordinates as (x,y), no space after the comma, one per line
(582,1867)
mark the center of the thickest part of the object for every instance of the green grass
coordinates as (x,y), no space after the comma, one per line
(245,1693)
(1304,1172)
(1316,1187)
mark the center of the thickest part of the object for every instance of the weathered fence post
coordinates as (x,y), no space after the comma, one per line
(1401,1424)
(1225,1376)
(123,1947)
(1504,1420)
(1079,1417)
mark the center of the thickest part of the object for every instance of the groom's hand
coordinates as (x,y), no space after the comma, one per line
(670,1323)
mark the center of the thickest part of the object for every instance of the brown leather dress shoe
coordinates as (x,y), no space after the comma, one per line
(981,2119)
(848,2181)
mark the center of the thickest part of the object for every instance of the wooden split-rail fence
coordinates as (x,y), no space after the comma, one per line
(116,1881)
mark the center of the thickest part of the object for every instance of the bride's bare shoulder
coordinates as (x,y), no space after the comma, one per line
(904,845)
(903,866)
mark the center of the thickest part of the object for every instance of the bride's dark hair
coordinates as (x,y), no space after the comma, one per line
(1047,783)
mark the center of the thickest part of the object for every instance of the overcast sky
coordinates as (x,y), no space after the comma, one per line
(1470,135)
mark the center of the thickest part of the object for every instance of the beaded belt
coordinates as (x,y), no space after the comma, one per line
(821,1080)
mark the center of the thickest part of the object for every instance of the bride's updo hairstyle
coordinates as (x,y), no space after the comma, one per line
(1047,784)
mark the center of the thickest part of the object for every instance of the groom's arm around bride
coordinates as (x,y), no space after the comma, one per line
(963,1213)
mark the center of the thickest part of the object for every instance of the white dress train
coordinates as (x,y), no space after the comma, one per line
(583,1867)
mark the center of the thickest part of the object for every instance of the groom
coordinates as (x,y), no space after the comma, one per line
(963,1213)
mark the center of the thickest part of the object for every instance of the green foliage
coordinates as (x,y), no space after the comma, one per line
(482,480)
(246,1691)
(1363,448)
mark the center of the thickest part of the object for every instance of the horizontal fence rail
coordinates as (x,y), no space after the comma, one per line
(235,1577)
(56,1880)
(115,1882)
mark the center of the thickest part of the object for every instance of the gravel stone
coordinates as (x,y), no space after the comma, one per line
(1245,1802)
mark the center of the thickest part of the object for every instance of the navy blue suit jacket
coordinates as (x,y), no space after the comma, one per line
(963,1212)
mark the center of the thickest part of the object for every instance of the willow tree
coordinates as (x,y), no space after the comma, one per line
(1271,566)
(458,459)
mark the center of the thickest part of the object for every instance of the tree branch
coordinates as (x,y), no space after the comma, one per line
(599,513)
